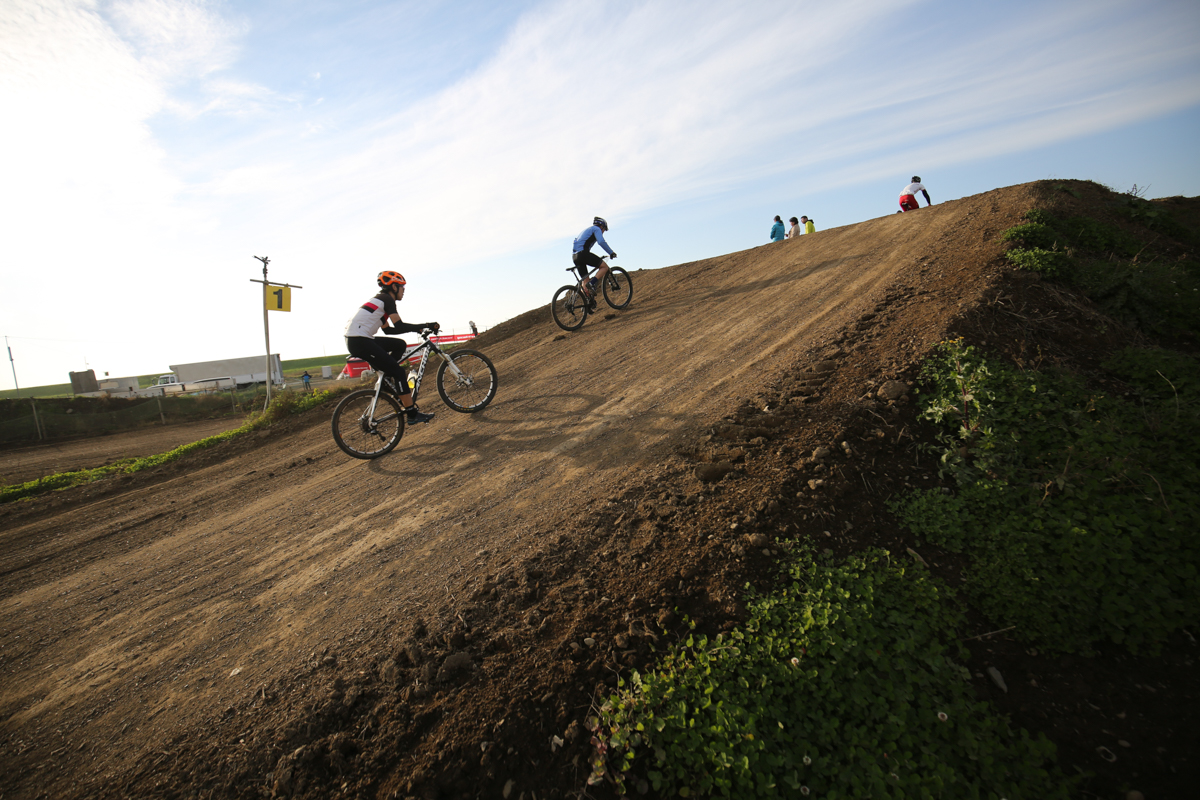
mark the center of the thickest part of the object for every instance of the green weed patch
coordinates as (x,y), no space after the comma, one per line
(1077,509)
(845,683)
(1112,267)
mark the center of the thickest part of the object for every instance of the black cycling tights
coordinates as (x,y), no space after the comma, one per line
(383,354)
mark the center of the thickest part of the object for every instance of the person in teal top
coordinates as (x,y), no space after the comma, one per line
(777,230)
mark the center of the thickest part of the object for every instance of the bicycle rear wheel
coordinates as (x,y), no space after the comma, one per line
(363,435)
(569,308)
(474,388)
(618,288)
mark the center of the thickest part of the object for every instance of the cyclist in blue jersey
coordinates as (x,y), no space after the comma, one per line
(584,259)
(385,355)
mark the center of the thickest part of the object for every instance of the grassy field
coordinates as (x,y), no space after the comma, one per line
(54,390)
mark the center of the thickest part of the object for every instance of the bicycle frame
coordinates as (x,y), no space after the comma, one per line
(426,348)
(592,271)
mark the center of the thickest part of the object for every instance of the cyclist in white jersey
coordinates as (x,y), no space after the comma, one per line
(908,197)
(385,355)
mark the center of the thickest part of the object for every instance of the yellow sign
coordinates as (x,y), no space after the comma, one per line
(278,298)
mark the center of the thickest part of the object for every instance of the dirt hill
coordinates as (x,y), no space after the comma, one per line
(274,617)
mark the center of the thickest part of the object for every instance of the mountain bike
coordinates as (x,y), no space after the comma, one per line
(572,304)
(369,423)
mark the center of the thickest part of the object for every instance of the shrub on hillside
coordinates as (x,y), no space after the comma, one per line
(1076,509)
(1111,267)
(846,682)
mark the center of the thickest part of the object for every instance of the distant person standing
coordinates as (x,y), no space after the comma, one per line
(777,230)
(809,227)
(307,381)
(908,197)
(474,330)
(793,231)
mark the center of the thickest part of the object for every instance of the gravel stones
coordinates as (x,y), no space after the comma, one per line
(892,390)
(711,473)
(454,664)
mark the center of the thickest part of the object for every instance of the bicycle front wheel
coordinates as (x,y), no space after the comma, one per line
(362,434)
(618,288)
(570,308)
(475,385)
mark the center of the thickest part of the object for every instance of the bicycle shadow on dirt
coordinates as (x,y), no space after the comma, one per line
(558,424)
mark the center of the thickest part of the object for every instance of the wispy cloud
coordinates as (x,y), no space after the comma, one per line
(144,130)
(175,38)
(583,107)
(622,108)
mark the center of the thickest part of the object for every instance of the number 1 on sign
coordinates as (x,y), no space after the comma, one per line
(278,298)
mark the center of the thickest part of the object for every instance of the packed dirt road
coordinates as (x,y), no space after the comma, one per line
(253,620)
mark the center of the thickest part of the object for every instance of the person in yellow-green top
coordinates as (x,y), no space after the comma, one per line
(808,225)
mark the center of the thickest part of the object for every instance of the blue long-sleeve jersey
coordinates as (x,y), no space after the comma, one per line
(591,236)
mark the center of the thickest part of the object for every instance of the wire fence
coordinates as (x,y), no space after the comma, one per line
(48,419)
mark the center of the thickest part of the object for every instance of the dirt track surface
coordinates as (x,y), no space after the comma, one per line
(27,463)
(273,617)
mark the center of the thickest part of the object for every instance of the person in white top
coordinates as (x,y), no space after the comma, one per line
(793,231)
(385,355)
(908,197)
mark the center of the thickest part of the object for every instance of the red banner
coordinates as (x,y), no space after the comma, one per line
(447,339)
(354,367)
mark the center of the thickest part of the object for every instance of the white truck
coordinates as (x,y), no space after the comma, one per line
(242,371)
(169,384)
(230,373)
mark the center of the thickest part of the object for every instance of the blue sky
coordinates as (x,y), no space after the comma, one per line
(153,147)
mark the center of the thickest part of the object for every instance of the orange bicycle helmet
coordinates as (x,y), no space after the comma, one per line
(390,278)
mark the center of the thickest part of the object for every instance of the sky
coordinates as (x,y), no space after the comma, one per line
(150,149)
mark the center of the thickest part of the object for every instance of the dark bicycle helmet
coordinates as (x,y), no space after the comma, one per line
(601,222)
(916,179)
(390,278)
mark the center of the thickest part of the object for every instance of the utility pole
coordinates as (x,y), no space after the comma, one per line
(278,300)
(13,364)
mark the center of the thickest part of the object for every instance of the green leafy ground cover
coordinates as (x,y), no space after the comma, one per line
(846,683)
(1123,274)
(283,405)
(1076,508)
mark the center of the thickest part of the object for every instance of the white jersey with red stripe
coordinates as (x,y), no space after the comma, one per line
(912,189)
(370,316)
